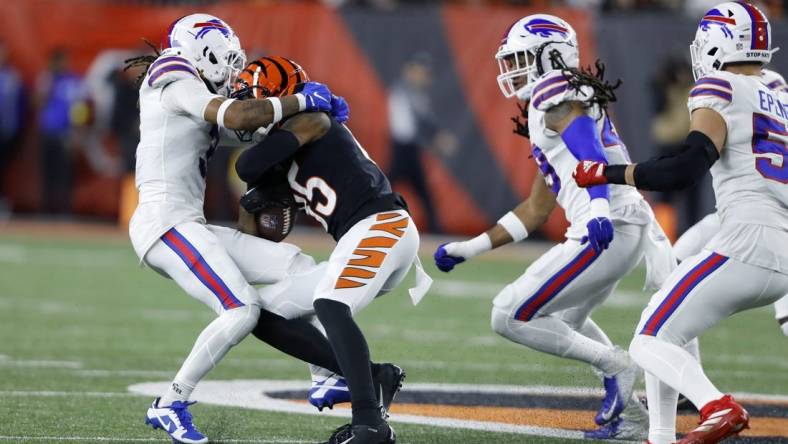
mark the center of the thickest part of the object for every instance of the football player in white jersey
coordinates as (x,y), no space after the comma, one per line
(183,108)
(692,241)
(737,131)
(612,228)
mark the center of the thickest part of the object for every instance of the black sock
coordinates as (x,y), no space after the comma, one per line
(296,337)
(352,352)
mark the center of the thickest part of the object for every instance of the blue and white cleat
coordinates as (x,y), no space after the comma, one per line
(631,425)
(618,391)
(329,392)
(176,421)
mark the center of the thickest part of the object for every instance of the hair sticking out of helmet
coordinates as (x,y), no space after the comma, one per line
(142,61)
(271,76)
(604,91)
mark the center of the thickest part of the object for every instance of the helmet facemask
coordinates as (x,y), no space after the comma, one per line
(517,71)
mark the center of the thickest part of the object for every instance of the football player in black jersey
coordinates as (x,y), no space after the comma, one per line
(334,179)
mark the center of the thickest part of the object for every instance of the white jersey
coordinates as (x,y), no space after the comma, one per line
(172,155)
(557,163)
(751,177)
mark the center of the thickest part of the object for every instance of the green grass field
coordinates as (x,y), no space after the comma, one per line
(80,322)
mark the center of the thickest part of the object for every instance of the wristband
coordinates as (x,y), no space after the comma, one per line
(276,104)
(514,226)
(222,109)
(301,101)
(599,208)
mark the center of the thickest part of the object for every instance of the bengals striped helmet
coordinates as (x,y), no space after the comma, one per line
(271,76)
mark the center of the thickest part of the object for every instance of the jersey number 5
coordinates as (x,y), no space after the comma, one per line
(771,155)
(306,194)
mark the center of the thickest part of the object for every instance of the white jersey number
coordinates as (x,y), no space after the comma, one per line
(320,209)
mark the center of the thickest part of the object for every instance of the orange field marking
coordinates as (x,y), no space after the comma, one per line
(572,419)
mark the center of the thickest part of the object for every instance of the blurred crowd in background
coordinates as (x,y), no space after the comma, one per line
(87,122)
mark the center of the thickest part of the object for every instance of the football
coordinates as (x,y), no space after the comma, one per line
(275,223)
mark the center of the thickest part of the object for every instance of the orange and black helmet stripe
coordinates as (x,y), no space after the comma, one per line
(271,76)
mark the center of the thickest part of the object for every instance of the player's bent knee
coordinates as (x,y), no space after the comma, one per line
(499,321)
(239,322)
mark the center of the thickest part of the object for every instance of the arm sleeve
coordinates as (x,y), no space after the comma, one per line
(257,160)
(672,172)
(582,141)
(187,96)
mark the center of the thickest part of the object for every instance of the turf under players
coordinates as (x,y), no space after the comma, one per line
(735,131)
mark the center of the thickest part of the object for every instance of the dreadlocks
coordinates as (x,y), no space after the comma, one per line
(603,91)
(143,61)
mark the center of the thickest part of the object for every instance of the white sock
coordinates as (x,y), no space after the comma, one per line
(213,343)
(675,367)
(551,335)
(661,411)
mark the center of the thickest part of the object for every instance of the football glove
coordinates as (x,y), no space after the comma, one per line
(600,233)
(317,97)
(445,261)
(589,173)
(339,109)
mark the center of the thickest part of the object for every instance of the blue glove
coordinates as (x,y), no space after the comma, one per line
(444,262)
(339,109)
(318,97)
(600,233)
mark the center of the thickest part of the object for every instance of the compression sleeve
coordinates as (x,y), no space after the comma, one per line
(187,96)
(671,172)
(257,160)
(581,139)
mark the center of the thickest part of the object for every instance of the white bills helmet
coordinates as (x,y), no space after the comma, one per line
(211,46)
(731,32)
(528,50)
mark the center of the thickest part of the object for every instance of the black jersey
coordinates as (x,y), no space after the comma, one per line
(337,182)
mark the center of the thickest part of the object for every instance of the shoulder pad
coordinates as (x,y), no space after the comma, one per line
(553,89)
(712,91)
(167,69)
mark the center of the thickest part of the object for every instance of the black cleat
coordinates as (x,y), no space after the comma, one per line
(388,382)
(363,434)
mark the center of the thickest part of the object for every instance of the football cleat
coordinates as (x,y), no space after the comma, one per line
(618,390)
(176,421)
(363,434)
(619,429)
(329,392)
(388,381)
(719,419)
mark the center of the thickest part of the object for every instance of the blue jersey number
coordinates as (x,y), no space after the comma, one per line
(550,176)
(762,127)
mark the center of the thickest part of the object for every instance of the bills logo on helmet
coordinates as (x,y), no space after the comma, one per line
(209,25)
(545,28)
(716,18)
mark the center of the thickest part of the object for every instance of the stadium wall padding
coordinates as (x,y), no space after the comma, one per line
(357,52)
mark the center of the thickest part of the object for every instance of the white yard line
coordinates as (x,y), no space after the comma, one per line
(118,439)
(7,361)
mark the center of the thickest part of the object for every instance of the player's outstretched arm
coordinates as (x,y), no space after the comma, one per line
(252,114)
(280,144)
(701,149)
(514,226)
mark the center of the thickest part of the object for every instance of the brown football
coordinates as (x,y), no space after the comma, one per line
(275,223)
